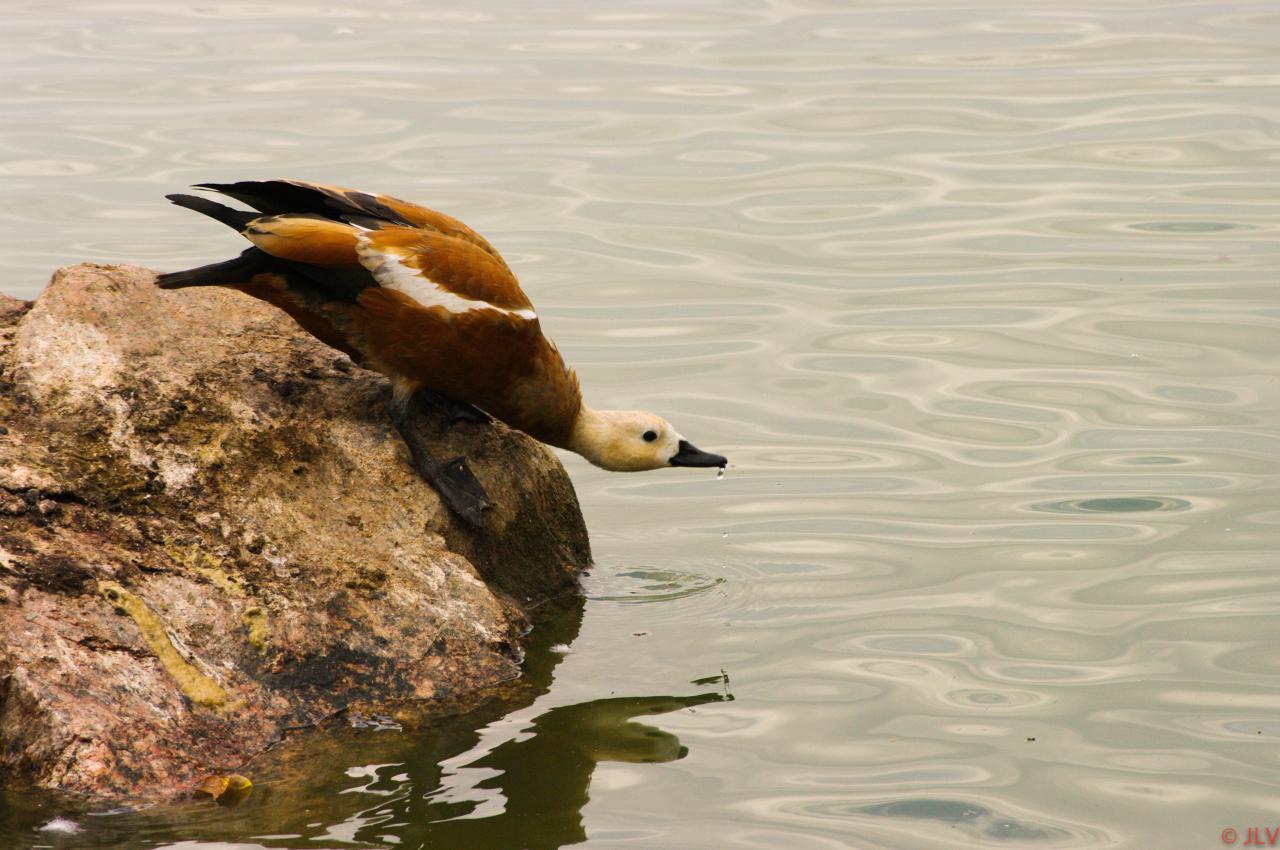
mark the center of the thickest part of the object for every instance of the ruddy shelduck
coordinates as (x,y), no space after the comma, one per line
(428,302)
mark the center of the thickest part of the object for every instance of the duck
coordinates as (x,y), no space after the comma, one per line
(422,298)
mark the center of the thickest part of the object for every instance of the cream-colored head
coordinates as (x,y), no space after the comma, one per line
(632,441)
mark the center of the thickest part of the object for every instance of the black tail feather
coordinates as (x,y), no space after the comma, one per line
(239,269)
(235,219)
(274,197)
(282,197)
(328,284)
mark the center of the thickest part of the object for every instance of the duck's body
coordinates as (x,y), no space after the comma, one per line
(427,301)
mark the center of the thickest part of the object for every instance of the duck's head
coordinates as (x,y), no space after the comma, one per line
(633,440)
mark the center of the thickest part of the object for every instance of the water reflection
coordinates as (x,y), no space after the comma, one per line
(474,778)
(539,784)
(475,781)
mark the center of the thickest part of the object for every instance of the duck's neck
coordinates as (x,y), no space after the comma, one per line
(591,436)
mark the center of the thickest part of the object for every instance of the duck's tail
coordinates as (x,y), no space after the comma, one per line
(237,220)
(237,270)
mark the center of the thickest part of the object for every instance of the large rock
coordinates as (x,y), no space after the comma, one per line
(210,532)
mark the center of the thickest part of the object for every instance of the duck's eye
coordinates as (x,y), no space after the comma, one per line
(650,436)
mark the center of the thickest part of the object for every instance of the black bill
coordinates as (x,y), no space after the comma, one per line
(691,455)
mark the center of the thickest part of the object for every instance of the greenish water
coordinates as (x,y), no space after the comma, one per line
(980,300)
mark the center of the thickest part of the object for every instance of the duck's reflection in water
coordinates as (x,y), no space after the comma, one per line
(464,786)
(540,783)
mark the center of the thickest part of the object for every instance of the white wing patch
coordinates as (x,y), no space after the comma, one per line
(392,272)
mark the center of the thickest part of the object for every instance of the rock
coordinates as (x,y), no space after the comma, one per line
(210,532)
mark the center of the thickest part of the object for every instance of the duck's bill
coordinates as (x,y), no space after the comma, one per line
(691,455)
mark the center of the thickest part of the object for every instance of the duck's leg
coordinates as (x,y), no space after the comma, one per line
(452,478)
(458,411)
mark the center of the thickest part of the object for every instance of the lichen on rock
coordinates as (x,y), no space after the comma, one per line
(236,489)
(196,685)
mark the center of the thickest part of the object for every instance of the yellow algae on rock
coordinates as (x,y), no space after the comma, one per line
(208,567)
(196,686)
(255,620)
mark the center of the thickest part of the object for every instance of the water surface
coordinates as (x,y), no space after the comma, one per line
(978,298)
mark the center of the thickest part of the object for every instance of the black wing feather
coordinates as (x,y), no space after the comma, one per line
(280,197)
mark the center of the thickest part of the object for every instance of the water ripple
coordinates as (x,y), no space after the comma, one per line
(978,298)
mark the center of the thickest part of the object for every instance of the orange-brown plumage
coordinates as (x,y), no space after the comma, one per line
(429,302)
(457,265)
(523,382)
(314,241)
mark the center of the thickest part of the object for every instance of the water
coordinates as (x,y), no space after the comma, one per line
(978,299)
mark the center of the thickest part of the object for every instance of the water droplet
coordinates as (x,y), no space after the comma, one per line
(720,474)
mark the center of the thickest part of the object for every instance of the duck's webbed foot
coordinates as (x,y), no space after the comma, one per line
(457,486)
(452,479)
